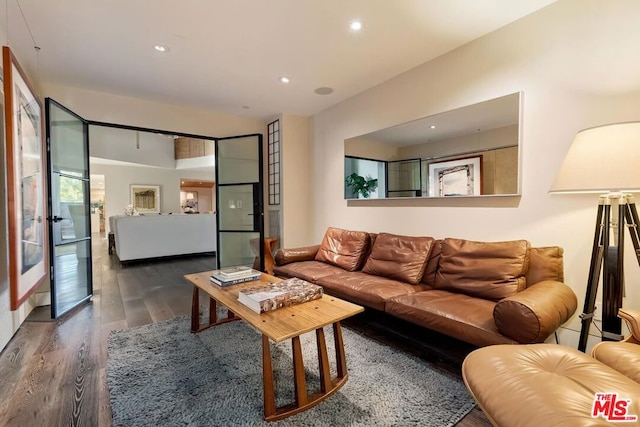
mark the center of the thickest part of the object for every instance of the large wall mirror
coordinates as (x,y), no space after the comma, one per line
(468,152)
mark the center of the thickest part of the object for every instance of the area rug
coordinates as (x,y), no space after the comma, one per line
(163,375)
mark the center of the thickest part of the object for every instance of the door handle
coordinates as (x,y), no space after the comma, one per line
(57,218)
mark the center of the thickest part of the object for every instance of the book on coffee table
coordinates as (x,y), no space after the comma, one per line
(272,296)
(236,272)
(247,275)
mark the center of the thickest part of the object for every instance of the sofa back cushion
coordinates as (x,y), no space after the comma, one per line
(344,248)
(489,270)
(545,264)
(398,257)
(431,269)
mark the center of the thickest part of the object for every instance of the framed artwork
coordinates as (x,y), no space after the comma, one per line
(145,198)
(458,177)
(25,174)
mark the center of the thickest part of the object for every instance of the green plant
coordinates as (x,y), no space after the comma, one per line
(360,185)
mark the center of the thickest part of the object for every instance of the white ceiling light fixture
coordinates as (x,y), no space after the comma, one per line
(284,79)
(161,48)
(355,25)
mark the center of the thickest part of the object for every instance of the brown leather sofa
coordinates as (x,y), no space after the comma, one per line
(554,385)
(483,293)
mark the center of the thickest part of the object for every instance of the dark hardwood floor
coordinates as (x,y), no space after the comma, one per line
(53,372)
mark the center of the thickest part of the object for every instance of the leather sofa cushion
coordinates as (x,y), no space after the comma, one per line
(398,257)
(460,316)
(545,263)
(344,248)
(365,289)
(489,270)
(286,256)
(532,315)
(311,271)
(429,277)
(543,385)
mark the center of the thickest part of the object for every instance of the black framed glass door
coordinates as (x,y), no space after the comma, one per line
(68,216)
(239,201)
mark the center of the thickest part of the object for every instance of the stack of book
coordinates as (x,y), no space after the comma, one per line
(271,296)
(234,275)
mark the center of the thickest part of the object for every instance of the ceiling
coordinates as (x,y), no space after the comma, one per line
(483,116)
(227,55)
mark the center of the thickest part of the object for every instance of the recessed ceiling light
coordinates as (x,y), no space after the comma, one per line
(355,25)
(161,48)
(283,79)
(432,127)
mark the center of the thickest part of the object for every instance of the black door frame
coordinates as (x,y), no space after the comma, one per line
(258,197)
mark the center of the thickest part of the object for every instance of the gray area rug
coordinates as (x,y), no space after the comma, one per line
(163,375)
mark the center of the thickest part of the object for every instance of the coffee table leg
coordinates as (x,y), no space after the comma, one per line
(341,359)
(323,361)
(298,372)
(303,400)
(195,310)
(213,313)
(267,379)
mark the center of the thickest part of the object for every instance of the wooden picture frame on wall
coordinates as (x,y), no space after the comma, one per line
(457,177)
(145,198)
(28,255)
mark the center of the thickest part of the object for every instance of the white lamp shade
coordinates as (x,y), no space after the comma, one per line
(602,159)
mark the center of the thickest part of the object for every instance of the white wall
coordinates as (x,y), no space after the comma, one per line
(104,107)
(576,62)
(132,146)
(295,175)
(118,179)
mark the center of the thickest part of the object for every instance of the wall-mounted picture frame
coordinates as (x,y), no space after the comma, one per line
(145,198)
(457,177)
(28,262)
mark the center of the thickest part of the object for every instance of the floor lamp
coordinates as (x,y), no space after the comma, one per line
(605,160)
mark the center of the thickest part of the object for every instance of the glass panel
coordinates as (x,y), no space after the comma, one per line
(240,249)
(364,178)
(241,164)
(239,200)
(72,274)
(404,178)
(236,207)
(70,206)
(71,155)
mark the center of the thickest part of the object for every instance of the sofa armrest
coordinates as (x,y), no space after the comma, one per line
(286,256)
(533,314)
(632,317)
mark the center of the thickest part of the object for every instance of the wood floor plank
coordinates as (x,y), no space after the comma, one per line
(54,373)
(15,360)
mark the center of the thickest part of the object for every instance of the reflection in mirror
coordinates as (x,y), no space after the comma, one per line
(470,151)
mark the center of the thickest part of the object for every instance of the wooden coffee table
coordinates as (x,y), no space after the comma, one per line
(279,325)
